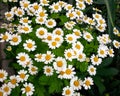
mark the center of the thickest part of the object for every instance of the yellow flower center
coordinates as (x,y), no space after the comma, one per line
(50,23)
(1,75)
(102,52)
(77,46)
(41,32)
(71,15)
(88,36)
(68,71)
(19,12)
(58,32)
(39,56)
(56,7)
(59,63)
(77,33)
(1,93)
(96,59)
(42,14)
(80,56)
(25,20)
(69,54)
(57,39)
(22,58)
(117,44)
(5,37)
(47,57)
(76,83)
(62,72)
(6,89)
(8,15)
(80,5)
(33,69)
(87,83)
(48,70)
(27,89)
(15,39)
(67,92)
(22,75)
(70,38)
(49,37)
(41,20)
(110,51)
(13,81)
(92,69)
(29,45)
(36,7)
(25,5)
(54,43)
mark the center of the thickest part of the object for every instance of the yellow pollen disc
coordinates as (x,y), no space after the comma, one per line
(69,7)
(54,43)
(40,19)
(26,29)
(68,71)
(57,39)
(59,63)
(25,20)
(96,59)
(25,5)
(39,56)
(110,51)
(45,2)
(29,45)
(22,75)
(69,54)
(101,21)
(92,69)
(89,1)
(8,15)
(102,52)
(56,7)
(88,36)
(80,56)
(77,46)
(62,72)
(49,37)
(27,89)
(87,83)
(5,37)
(13,81)
(33,69)
(41,32)
(76,83)
(6,89)
(78,13)
(20,12)
(71,15)
(77,33)
(117,44)
(1,75)
(80,5)
(96,16)
(1,93)
(50,23)
(22,58)
(68,92)
(15,39)
(47,57)
(58,32)
(70,38)
(48,70)
(36,7)
(41,14)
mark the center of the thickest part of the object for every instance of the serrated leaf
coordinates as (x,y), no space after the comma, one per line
(16,91)
(44,80)
(98,82)
(83,66)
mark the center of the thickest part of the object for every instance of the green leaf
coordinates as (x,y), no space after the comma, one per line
(16,91)
(108,72)
(44,80)
(98,82)
(83,66)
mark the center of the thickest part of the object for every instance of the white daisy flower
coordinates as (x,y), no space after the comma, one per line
(78,46)
(44,2)
(61,74)
(9,15)
(87,83)
(92,70)
(25,20)
(116,44)
(79,13)
(77,33)
(115,31)
(76,83)
(87,36)
(5,37)
(48,38)
(19,12)
(80,5)
(2,93)
(26,29)
(48,70)
(102,51)
(71,15)
(53,44)
(40,20)
(60,64)
(36,6)
(97,16)
(22,76)
(24,4)
(22,58)
(41,32)
(101,22)
(58,31)
(28,63)
(68,26)
(6,89)
(67,91)
(55,7)
(28,89)
(29,45)
(81,57)
(33,70)
(69,72)
(68,7)
(39,57)
(70,38)
(48,57)
(13,81)
(42,13)
(15,39)
(62,3)
(101,28)
(89,2)
(95,60)
(30,10)
(3,75)
(91,21)
(69,54)
(50,23)
(110,52)
(58,39)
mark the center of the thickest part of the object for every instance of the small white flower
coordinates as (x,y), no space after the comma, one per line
(67,91)
(39,57)
(25,20)
(48,70)
(81,57)
(87,83)
(28,89)
(58,31)
(70,38)
(87,36)
(5,37)
(91,70)
(6,89)
(110,52)
(3,75)
(77,33)
(78,46)
(116,44)
(89,2)
(13,81)
(50,23)
(69,54)
(55,7)
(33,70)
(80,5)
(95,60)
